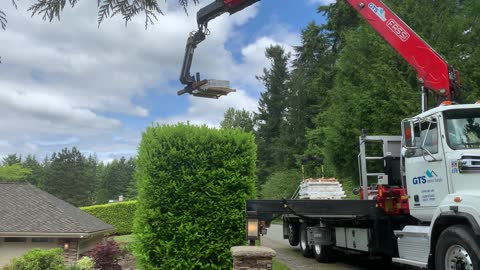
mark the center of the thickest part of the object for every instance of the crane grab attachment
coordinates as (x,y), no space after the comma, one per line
(194,85)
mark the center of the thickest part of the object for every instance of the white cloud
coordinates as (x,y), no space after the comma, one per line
(68,83)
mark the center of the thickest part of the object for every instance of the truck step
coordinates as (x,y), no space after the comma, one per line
(413,244)
(410,262)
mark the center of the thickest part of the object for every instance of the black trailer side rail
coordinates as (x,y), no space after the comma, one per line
(265,210)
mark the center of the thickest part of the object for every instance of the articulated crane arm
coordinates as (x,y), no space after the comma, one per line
(193,84)
(434,73)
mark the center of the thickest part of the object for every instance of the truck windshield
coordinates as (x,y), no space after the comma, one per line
(463,129)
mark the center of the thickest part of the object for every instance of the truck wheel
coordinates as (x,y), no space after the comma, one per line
(306,249)
(293,234)
(457,248)
(322,253)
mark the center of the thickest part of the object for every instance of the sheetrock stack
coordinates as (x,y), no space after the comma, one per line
(321,189)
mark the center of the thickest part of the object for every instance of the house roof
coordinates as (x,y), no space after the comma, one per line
(27,210)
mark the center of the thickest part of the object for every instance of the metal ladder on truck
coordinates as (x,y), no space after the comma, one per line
(392,163)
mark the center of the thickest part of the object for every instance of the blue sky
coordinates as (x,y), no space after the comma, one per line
(73,84)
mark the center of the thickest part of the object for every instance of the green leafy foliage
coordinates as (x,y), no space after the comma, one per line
(38,259)
(120,215)
(241,119)
(193,182)
(14,173)
(85,263)
(281,184)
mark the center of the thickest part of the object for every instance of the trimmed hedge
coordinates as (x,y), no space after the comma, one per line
(193,182)
(120,215)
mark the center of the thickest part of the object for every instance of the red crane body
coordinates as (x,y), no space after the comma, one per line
(433,71)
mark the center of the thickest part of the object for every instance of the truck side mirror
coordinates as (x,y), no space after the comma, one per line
(408,134)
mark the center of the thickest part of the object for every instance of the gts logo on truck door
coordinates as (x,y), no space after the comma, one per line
(424,178)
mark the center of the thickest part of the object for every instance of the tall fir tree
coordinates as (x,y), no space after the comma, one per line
(12,159)
(37,172)
(69,177)
(116,178)
(271,115)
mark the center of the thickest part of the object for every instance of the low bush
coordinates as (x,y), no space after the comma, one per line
(106,255)
(193,182)
(38,259)
(120,215)
(85,263)
(281,184)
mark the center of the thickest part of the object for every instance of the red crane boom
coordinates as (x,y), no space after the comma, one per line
(434,73)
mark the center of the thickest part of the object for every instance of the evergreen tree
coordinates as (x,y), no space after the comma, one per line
(116,179)
(69,177)
(51,9)
(310,80)
(12,159)
(132,190)
(37,173)
(271,115)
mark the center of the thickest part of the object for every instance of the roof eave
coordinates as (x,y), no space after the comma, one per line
(55,235)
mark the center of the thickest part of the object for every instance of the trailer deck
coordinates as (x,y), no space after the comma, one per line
(266,210)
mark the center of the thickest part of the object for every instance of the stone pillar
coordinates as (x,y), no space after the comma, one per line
(70,247)
(252,258)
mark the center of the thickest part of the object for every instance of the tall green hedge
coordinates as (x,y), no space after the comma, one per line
(193,182)
(120,215)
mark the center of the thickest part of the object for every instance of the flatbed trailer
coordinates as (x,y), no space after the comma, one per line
(320,226)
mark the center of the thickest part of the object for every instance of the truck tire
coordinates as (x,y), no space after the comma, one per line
(307,250)
(322,254)
(457,248)
(293,234)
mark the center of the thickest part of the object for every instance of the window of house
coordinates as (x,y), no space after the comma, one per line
(15,240)
(42,240)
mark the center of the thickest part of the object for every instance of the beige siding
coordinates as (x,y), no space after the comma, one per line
(9,251)
(88,244)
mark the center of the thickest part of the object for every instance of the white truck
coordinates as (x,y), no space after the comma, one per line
(425,209)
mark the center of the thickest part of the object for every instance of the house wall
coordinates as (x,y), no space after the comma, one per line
(8,251)
(88,244)
(76,247)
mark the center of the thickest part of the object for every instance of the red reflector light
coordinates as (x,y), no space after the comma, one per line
(408,134)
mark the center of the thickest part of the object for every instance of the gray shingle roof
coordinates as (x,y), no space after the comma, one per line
(27,209)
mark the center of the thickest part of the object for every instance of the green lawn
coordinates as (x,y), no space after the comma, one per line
(124,239)
(279,266)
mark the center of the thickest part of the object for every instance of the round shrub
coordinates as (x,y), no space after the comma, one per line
(120,215)
(38,259)
(85,263)
(193,182)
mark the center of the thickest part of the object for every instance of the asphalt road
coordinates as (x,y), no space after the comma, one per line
(293,258)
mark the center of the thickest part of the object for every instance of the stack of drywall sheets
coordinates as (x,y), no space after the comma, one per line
(321,189)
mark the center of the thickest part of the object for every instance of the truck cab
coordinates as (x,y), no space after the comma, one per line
(442,157)
(441,149)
